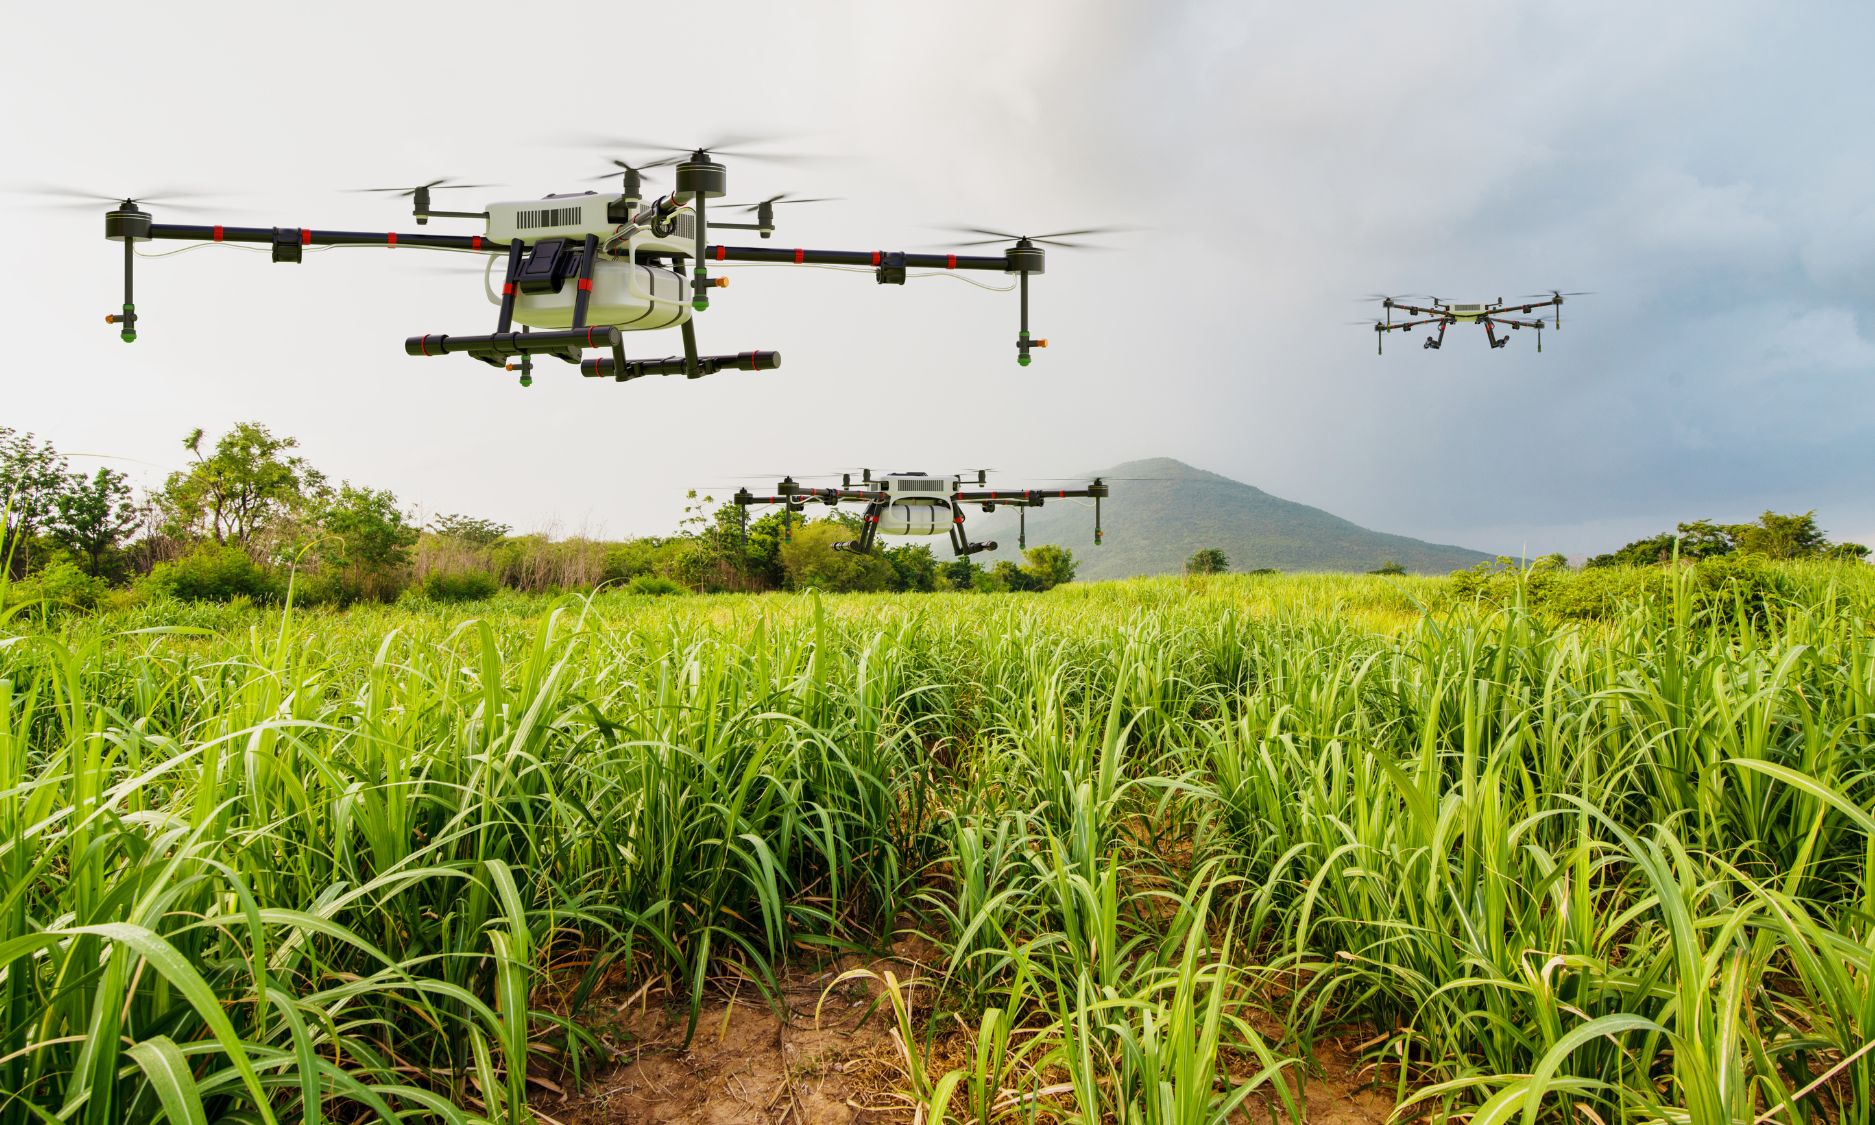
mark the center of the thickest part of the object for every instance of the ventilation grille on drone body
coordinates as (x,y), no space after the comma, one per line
(546,217)
(919,485)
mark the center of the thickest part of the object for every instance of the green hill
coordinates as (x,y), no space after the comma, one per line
(1169,509)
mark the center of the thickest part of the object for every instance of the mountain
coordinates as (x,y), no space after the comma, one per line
(1163,510)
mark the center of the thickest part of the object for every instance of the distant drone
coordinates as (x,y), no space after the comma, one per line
(581,270)
(917,504)
(1493,315)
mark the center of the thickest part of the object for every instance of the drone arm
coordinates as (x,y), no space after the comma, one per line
(1399,324)
(305,237)
(877,259)
(1027,497)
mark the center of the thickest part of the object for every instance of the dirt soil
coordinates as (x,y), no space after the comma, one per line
(745,1064)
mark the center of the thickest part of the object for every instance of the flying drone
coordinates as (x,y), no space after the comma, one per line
(917,504)
(1492,314)
(581,270)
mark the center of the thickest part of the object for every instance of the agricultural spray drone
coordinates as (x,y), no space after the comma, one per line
(1492,314)
(579,271)
(917,504)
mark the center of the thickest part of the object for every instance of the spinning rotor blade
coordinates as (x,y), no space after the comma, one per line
(60,197)
(1051,239)
(1556,293)
(784,197)
(443,184)
(622,166)
(724,145)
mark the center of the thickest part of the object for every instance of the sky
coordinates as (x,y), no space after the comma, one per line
(1705,170)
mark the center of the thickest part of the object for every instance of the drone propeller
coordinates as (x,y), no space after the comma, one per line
(59,197)
(721,145)
(624,166)
(784,197)
(434,185)
(1051,239)
(1557,293)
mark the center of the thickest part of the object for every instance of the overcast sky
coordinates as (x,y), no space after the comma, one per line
(1706,169)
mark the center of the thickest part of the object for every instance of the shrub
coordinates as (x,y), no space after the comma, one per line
(214,572)
(459,585)
(655,585)
(61,585)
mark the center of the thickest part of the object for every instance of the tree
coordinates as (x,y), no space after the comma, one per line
(1773,535)
(1209,560)
(914,568)
(810,560)
(247,484)
(1782,537)
(93,515)
(1388,567)
(471,530)
(1006,575)
(368,539)
(1048,566)
(959,574)
(32,474)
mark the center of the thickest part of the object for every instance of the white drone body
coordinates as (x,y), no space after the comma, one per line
(920,504)
(626,293)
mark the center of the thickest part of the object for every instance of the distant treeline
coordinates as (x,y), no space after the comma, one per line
(249,518)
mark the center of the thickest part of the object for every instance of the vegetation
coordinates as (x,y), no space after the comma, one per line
(1207,560)
(1162,840)
(249,519)
(1773,536)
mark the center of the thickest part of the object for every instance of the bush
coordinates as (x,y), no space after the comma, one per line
(459,585)
(655,585)
(214,572)
(61,585)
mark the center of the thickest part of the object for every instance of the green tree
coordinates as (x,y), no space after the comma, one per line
(470,530)
(32,475)
(93,514)
(959,574)
(1006,575)
(914,568)
(1388,567)
(250,482)
(1209,560)
(367,541)
(1703,539)
(809,559)
(1048,565)
(1782,536)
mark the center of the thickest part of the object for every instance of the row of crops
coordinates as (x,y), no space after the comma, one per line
(1162,839)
